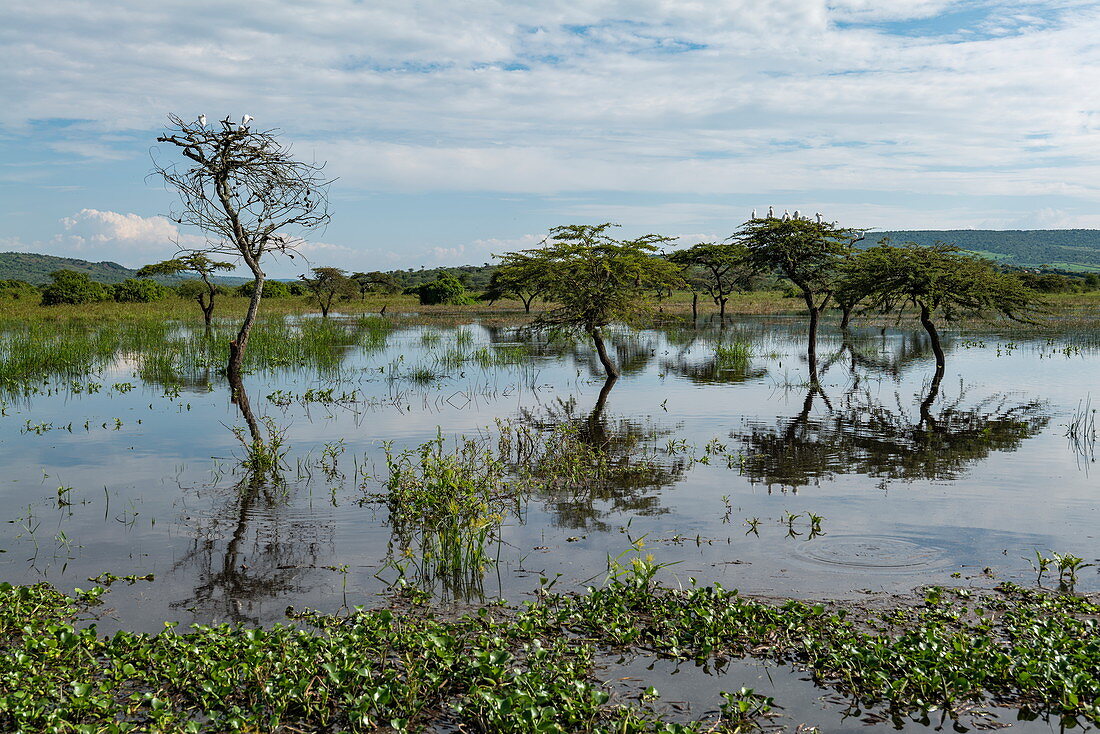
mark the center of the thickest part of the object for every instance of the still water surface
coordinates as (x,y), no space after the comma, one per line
(146,479)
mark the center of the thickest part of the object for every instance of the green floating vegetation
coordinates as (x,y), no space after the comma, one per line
(532,669)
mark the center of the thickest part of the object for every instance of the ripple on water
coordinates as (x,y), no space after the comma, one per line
(865,553)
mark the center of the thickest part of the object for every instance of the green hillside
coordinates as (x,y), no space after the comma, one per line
(1059,249)
(36,269)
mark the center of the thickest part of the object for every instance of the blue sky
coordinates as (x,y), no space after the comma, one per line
(458,130)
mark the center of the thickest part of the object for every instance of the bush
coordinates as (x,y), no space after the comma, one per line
(70,286)
(272,289)
(444,289)
(17,289)
(133,290)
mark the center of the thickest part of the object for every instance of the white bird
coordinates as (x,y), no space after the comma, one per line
(754,214)
(786,215)
(818,215)
(202,120)
(246,119)
(796,215)
(771,212)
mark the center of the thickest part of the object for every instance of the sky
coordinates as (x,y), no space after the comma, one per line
(456,131)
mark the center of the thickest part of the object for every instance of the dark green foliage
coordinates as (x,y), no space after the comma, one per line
(377,282)
(35,269)
(69,286)
(718,269)
(272,289)
(327,285)
(297,289)
(18,290)
(531,670)
(446,289)
(133,290)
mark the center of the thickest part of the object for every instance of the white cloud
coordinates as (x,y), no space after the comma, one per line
(789,101)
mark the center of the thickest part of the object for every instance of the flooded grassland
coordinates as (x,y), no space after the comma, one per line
(878,527)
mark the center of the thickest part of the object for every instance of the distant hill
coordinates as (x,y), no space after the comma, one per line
(1053,249)
(36,269)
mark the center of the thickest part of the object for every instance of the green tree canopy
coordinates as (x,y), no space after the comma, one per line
(521,276)
(718,268)
(329,284)
(201,265)
(70,286)
(807,253)
(938,281)
(595,279)
(446,289)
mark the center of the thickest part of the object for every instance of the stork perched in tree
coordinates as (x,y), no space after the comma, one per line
(246,119)
(818,215)
(771,212)
(786,215)
(202,120)
(754,214)
(797,215)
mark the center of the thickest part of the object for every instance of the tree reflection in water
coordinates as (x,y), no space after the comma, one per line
(247,552)
(861,435)
(633,469)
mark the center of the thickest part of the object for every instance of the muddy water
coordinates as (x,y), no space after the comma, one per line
(753,480)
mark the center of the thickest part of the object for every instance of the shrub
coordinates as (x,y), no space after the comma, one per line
(272,289)
(70,286)
(133,290)
(17,289)
(444,289)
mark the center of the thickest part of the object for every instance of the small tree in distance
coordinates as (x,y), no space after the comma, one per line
(197,263)
(595,279)
(726,269)
(247,194)
(329,284)
(521,277)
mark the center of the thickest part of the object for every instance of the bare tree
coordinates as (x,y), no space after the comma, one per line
(247,194)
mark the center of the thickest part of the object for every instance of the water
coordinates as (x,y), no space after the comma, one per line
(733,460)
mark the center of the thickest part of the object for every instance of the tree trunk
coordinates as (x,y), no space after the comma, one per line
(811,347)
(926,418)
(207,311)
(527,302)
(937,348)
(238,345)
(601,349)
(694,307)
(324,308)
(846,310)
(722,310)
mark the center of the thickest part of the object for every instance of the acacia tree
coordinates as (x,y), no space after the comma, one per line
(376,280)
(594,279)
(726,269)
(328,284)
(197,263)
(808,254)
(938,281)
(245,192)
(520,276)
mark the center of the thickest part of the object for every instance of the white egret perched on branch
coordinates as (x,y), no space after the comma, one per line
(202,120)
(786,215)
(246,119)
(818,215)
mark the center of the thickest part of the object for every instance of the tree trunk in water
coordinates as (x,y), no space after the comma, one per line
(811,347)
(926,418)
(937,348)
(847,311)
(694,307)
(601,349)
(237,346)
(527,303)
(722,311)
(207,312)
